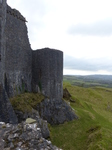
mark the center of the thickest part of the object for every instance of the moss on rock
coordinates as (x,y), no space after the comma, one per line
(26,101)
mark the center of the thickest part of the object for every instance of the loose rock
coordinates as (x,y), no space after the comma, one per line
(15,137)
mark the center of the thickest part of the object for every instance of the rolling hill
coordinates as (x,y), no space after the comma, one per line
(89,80)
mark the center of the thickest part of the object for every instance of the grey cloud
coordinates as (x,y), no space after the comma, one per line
(100,28)
(87,64)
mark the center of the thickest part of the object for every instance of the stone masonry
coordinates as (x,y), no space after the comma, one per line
(24,70)
(6,111)
(47,72)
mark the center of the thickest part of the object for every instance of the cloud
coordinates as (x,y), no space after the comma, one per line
(31,8)
(99,28)
(84,64)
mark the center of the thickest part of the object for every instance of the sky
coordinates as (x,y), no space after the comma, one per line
(82,29)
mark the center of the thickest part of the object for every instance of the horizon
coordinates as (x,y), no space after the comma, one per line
(84,73)
(88,75)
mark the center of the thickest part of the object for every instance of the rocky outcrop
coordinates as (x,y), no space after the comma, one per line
(56,112)
(66,94)
(7,113)
(42,124)
(23,136)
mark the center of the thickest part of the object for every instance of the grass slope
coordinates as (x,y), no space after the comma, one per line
(93,129)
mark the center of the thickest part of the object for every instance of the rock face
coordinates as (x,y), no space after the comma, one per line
(55,112)
(66,94)
(2,38)
(7,113)
(34,115)
(23,137)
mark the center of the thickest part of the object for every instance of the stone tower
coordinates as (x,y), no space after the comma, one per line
(47,72)
(47,77)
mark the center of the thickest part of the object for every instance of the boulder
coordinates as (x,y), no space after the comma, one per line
(55,111)
(66,94)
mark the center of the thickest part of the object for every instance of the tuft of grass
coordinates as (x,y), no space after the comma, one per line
(26,101)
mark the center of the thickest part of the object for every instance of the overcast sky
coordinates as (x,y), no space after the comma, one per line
(82,29)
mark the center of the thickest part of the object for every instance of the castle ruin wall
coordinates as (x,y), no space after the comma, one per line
(22,69)
(6,111)
(2,38)
(47,72)
(18,64)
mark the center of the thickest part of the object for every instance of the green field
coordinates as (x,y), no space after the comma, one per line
(89,80)
(93,129)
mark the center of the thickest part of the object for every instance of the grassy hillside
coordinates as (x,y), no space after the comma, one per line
(93,129)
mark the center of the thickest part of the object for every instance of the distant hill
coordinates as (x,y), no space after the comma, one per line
(89,80)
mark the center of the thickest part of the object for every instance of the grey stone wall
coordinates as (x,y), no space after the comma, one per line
(47,72)
(18,64)
(0,41)
(22,69)
(47,77)
(2,38)
(6,111)
(15,13)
